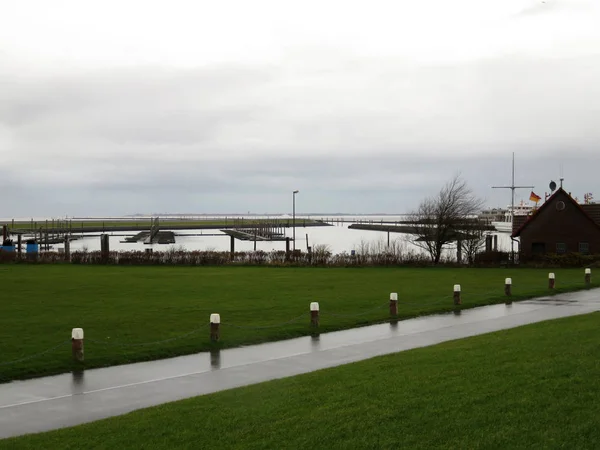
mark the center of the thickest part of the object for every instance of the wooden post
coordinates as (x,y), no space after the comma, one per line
(495,242)
(459,251)
(67,249)
(394,304)
(314,314)
(77,344)
(508,287)
(215,322)
(287,248)
(104,248)
(19,241)
(457,299)
(232,247)
(551,281)
(588,277)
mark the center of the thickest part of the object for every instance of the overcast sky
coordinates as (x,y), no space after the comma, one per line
(123,107)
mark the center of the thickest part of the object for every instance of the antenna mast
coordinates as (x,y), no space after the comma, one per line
(562,177)
(512,187)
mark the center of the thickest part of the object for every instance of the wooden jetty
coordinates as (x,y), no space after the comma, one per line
(158,237)
(461,234)
(253,235)
(72,227)
(259,232)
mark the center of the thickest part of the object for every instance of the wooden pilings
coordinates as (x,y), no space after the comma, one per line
(456,296)
(77,344)
(104,248)
(215,324)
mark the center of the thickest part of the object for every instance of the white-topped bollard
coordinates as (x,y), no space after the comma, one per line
(551,281)
(457,300)
(77,344)
(508,287)
(314,314)
(588,277)
(215,322)
(393,304)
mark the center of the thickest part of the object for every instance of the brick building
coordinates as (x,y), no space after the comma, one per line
(560,225)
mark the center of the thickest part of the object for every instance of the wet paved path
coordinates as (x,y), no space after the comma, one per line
(70,399)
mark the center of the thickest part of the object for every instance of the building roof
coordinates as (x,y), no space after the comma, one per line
(593,210)
(550,200)
(518,221)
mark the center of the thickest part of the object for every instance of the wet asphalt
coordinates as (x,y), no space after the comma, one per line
(70,399)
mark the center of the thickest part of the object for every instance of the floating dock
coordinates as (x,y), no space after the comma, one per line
(161,237)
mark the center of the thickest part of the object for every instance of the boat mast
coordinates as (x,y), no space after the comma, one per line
(512,187)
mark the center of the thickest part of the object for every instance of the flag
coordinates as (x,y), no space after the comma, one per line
(534,197)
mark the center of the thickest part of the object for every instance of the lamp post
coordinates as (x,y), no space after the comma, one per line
(294,217)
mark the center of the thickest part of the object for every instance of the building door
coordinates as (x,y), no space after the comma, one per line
(538,248)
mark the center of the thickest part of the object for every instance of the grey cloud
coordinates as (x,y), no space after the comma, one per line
(371,135)
(264,185)
(509,100)
(540,7)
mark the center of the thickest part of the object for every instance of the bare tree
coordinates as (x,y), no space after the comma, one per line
(445,217)
(474,240)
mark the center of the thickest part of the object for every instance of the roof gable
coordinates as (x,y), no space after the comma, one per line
(593,210)
(560,194)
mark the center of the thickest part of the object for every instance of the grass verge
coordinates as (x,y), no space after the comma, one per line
(141,313)
(529,387)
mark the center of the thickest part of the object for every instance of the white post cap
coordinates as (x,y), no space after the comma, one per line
(551,276)
(215,318)
(457,288)
(588,271)
(77,333)
(394,296)
(508,281)
(314,306)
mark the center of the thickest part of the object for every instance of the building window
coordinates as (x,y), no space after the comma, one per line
(538,248)
(584,248)
(561,247)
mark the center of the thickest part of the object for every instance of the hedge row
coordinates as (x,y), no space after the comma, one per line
(320,257)
(216,258)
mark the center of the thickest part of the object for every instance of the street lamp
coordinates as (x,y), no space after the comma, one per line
(294,217)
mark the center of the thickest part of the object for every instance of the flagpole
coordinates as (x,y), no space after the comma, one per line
(512,187)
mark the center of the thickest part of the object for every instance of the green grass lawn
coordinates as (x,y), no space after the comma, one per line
(530,387)
(40,304)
